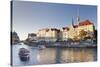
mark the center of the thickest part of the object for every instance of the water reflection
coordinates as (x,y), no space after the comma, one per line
(47,55)
(78,55)
(54,55)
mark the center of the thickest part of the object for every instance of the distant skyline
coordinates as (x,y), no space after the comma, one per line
(29,17)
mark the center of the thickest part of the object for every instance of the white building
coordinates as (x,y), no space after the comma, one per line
(47,34)
(32,37)
(65,33)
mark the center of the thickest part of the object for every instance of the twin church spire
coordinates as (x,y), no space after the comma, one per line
(78,18)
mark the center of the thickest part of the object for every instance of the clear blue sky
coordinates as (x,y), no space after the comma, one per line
(28,17)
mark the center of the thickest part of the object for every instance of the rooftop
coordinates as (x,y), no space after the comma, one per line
(84,23)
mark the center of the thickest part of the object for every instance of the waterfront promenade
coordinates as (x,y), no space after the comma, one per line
(63,44)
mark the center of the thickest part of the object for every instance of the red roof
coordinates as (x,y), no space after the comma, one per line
(86,22)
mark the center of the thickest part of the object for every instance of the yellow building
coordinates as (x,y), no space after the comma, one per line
(86,25)
(74,30)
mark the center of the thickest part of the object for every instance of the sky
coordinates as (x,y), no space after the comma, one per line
(29,17)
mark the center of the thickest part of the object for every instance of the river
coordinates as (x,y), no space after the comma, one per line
(53,55)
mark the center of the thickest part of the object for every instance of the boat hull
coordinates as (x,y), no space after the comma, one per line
(24,58)
(24,54)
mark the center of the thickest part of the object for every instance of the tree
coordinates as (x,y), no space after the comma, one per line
(75,38)
(82,34)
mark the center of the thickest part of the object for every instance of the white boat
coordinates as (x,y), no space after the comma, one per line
(41,46)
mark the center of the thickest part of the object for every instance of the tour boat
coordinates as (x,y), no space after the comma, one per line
(24,54)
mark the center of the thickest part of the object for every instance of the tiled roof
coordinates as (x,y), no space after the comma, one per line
(84,23)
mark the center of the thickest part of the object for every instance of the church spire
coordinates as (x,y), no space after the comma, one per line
(78,17)
(72,22)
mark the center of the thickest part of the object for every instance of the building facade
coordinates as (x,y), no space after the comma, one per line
(32,37)
(74,31)
(83,28)
(47,34)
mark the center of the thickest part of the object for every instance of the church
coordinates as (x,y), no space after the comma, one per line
(75,30)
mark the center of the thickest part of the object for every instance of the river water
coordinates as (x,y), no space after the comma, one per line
(53,55)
